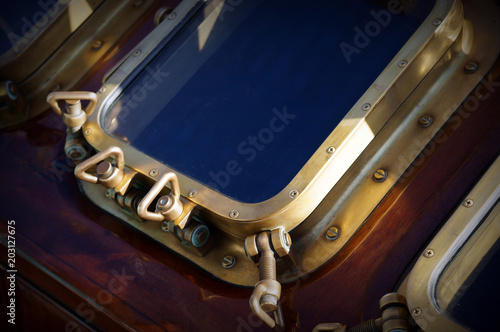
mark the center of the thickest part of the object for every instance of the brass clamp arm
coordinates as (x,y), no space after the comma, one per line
(267,292)
(108,175)
(74,117)
(168,207)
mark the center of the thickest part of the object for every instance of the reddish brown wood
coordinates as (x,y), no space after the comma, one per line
(71,250)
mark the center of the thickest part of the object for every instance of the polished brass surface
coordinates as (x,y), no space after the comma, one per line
(455,255)
(355,195)
(353,135)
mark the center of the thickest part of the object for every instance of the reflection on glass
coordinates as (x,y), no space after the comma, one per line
(245,94)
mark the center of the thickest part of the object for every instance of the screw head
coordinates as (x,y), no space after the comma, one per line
(172,15)
(471,67)
(330,150)
(425,121)
(137,53)
(234,214)
(294,193)
(164,226)
(402,63)
(437,21)
(228,261)
(415,312)
(468,203)
(153,172)
(96,45)
(366,107)
(102,89)
(88,132)
(332,233)
(380,175)
(428,253)
(192,193)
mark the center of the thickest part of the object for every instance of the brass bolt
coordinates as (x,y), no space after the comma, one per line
(88,132)
(425,121)
(332,233)
(428,253)
(471,67)
(366,107)
(164,226)
(234,214)
(294,193)
(137,53)
(228,261)
(330,150)
(153,172)
(402,63)
(104,170)
(172,15)
(380,175)
(193,193)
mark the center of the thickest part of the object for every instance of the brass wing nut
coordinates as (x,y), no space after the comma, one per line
(168,207)
(74,117)
(108,175)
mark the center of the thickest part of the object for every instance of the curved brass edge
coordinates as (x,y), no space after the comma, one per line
(356,195)
(422,51)
(420,284)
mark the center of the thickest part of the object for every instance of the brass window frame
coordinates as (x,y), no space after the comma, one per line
(421,284)
(354,133)
(355,195)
